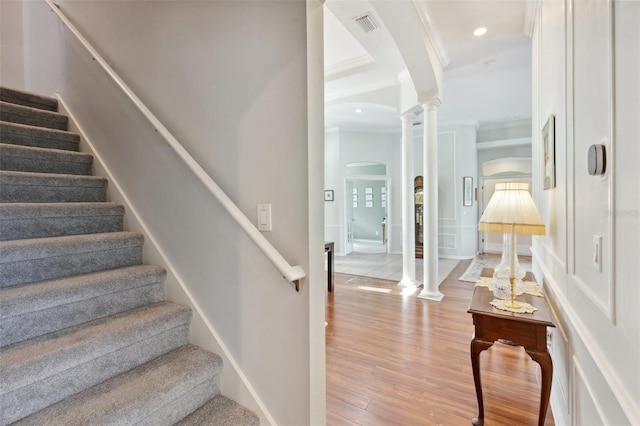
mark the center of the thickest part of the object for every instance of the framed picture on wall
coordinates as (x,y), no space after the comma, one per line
(467,191)
(549,153)
(368,197)
(369,204)
(368,190)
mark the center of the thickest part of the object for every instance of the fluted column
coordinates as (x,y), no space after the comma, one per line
(431,284)
(408,222)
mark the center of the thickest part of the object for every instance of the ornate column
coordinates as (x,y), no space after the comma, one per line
(430,290)
(408,222)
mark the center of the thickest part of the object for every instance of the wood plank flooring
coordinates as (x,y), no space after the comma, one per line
(394,359)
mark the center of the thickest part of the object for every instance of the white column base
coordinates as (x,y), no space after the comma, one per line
(426,294)
(408,282)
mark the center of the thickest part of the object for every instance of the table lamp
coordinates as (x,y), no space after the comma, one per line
(510,211)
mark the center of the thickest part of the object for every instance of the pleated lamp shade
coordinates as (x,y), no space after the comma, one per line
(510,206)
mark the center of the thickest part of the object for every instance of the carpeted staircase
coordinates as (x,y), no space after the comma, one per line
(85,334)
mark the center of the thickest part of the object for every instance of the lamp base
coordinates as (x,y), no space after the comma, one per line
(502,273)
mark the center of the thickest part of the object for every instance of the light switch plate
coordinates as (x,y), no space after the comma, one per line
(597,253)
(264,217)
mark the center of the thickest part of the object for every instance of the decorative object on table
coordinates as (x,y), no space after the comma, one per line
(510,211)
(474,270)
(328,195)
(528,287)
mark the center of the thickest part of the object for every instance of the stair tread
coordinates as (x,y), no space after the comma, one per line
(45,153)
(220,411)
(134,395)
(23,97)
(35,210)
(16,113)
(51,179)
(25,298)
(27,135)
(14,250)
(40,357)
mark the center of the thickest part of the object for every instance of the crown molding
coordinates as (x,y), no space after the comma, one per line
(349,66)
(383,84)
(432,34)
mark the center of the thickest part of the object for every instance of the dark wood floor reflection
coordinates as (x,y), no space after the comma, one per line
(394,359)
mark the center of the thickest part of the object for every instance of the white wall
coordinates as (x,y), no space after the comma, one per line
(194,64)
(11,45)
(457,157)
(587,73)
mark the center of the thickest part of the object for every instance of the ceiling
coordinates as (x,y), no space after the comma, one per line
(485,80)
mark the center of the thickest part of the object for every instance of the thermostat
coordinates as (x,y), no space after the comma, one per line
(597,160)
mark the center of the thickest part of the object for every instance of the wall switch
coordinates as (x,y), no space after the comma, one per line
(597,253)
(264,217)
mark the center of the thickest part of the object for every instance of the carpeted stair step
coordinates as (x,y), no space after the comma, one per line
(42,371)
(39,220)
(27,187)
(29,99)
(220,411)
(22,134)
(157,393)
(32,310)
(32,116)
(44,160)
(40,259)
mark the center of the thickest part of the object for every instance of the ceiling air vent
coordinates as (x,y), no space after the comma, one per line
(367,23)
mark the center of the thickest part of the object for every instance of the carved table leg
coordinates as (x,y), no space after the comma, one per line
(546,366)
(478,346)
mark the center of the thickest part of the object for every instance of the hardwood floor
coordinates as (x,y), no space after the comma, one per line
(394,359)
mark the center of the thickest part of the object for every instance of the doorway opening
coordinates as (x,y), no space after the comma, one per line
(366,209)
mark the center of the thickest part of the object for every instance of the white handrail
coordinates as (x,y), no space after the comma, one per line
(291,273)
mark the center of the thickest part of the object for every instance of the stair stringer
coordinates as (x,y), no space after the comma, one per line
(233,382)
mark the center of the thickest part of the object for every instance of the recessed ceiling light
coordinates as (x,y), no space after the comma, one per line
(480,31)
(358,110)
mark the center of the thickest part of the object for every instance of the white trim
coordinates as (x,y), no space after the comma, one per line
(578,372)
(383,84)
(171,270)
(627,402)
(431,32)
(505,143)
(351,65)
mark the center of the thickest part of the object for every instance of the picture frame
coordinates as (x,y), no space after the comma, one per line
(549,153)
(328,195)
(368,190)
(369,204)
(354,197)
(368,197)
(354,191)
(467,191)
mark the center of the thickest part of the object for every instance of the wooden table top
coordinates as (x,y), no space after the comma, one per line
(480,304)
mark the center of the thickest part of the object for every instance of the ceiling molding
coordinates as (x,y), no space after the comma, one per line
(362,89)
(431,32)
(347,67)
(505,143)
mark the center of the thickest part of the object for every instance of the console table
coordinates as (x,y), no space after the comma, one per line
(528,330)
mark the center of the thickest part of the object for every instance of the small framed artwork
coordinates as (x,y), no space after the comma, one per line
(467,191)
(549,153)
(354,191)
(354,198)
(369,204)
(383,197)
(383,190)
(368,190)
(355,204)
(368,197)
(328,195)
(383,204)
